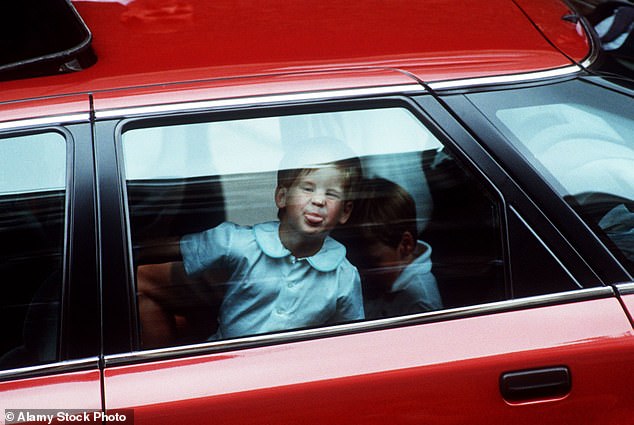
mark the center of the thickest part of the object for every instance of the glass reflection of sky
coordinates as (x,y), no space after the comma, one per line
(32,163)
(255,145)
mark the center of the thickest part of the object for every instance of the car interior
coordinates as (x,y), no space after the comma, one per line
(590,160)
(32,226)
(463,230)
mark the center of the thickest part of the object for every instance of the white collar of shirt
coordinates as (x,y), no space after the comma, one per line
(327,259)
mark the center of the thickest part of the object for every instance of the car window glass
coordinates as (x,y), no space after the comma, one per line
(534,268)
(579,136)
(30,173)
(32,205)
(194,149)
(436,245)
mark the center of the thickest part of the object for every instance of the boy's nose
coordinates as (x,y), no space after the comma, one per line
(318,199)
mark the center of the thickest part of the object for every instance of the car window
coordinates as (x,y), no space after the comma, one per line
(579,136)
(423,234)
(32,221)
(32,163)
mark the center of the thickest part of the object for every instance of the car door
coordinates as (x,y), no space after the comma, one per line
(49,355)
(526,332)
(626,291)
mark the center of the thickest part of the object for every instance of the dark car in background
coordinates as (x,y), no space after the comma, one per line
(613,24)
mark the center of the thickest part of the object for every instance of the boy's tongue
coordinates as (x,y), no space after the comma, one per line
(314,218)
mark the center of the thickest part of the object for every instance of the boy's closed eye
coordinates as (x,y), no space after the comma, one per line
(307,187)
(333,194)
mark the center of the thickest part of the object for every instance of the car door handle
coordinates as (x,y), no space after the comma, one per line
(535,384)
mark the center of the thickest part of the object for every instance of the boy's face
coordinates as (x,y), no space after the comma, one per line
(379,265)
(315,202)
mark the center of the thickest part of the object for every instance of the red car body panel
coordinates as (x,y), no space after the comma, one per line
(436,373)
(64,105)
(628,302)
(248,87)
(154,52)
(150,42)
(548,16)
(75,390)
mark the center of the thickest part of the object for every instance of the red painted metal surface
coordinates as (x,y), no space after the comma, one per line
(628,302)
(77,390)
(149,42)
(27,109)
(247,87)
(436,373)
(567,36)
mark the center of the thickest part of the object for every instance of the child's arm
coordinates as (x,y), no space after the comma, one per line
(157,285)
(350,299)
(168,289)
(163,251)
(213,248)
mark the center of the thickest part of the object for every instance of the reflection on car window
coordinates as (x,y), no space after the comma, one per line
(41,166)
(32,204)
(302,221)
(585,149)
(616,28)
(579,136)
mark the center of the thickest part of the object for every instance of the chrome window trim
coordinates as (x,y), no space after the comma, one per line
(504,79)
(357,327)
(593,38)
(413,88)
(50,369)
(592,57)
(625,288)
(54,119)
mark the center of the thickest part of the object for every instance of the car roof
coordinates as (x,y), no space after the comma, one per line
(142,43)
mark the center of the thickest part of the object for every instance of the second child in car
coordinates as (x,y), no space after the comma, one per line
(395,266)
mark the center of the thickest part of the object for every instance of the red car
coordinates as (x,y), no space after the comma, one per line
(504,295)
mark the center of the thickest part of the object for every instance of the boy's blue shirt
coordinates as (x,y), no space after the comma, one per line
(270,289)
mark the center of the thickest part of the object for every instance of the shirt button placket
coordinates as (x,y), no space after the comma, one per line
(287,285)
(291,274)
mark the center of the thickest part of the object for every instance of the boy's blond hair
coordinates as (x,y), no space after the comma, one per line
(317,152)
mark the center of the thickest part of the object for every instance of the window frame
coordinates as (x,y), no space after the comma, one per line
(423,107)
(64,246)
(559,226)
(79,298)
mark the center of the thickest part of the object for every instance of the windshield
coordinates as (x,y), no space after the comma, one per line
(580,137)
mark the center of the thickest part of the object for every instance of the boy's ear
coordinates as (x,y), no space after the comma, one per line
(345,212)
(407,244)
(280,197)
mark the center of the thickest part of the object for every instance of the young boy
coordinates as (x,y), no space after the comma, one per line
(395,267)
(283,275)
